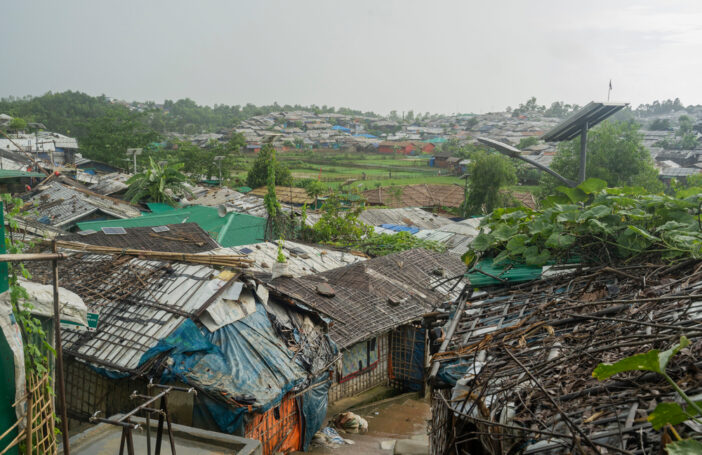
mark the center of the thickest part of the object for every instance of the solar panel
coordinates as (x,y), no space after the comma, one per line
(245,251)
(114,230)
(86,232)
(160,228)
(592,114)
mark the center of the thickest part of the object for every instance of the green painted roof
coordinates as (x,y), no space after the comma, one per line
(15,174)
(243,189)
(437,140)
(232,230)
(511,272)
(159,207)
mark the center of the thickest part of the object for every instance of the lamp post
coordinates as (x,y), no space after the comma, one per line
(218,159)
(577,124)
(134,152)
(514,152)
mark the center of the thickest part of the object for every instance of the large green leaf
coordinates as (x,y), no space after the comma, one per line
(573,194)
(643,233)
(482,242)
(516,245)
(598,211)
(532,256)
(647,362)
(468,258)
(592,185)
(560,241)
(503,232)
(669,413)
(684,447)
(554,199)
(665,356)
(653,360)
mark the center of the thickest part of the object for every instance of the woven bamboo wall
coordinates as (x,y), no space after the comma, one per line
(366,380)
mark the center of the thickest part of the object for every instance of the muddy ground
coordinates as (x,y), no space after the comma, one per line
(403,418)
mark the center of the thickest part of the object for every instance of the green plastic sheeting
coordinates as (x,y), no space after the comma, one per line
(15,174)
(234,229)
(509,271)
(159,207)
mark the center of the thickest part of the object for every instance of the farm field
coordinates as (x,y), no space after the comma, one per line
(363,170)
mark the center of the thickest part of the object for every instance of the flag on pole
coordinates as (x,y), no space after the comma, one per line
(610,84)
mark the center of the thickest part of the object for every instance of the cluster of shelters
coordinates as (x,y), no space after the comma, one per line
(188,296)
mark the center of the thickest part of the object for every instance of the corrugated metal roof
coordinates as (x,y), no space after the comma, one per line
(139,302)
(302,259)
(239,202)
(413,216)
(177,238)
(508,272)
(15,174)
(63,205)
(592,114)
(110,184)
(231,230)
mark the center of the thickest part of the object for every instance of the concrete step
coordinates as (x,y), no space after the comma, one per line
(411,447)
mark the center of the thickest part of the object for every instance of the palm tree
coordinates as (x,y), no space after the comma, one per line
(157,184)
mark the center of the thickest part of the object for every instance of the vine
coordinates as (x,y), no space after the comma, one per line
(36,356)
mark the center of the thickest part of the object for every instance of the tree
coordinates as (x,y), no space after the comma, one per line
(340,226)
(258,174)
(315,189)
(558,109)
(489,172)
(236,143)
(660,124)
(615,154)
(157,184)
(685,125)
(527,142)
(108,137)
(17,124)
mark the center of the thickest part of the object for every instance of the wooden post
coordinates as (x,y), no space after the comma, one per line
(583,153)
(59,356)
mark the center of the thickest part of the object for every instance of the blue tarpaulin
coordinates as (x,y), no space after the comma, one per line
(314,408)
(408,357)
(400,228)
(341,128)
(244,361)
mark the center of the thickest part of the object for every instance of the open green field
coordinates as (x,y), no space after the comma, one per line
(359,171)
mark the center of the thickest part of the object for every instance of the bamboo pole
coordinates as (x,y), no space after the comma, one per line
(59,356)
(229,260)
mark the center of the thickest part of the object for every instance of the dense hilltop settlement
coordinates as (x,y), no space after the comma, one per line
(304,279)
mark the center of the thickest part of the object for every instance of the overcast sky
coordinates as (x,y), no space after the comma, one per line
(432,55)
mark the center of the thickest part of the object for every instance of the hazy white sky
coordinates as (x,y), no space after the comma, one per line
(433,55)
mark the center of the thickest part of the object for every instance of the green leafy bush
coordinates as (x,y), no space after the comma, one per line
(595,224)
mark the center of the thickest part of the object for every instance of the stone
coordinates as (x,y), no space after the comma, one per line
(325,290)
